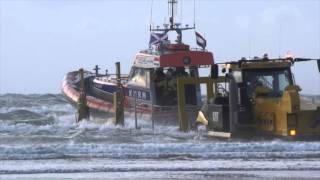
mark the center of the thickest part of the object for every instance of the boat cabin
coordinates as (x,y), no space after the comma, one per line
(154,74)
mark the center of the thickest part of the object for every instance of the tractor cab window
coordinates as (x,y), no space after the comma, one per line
(273,80)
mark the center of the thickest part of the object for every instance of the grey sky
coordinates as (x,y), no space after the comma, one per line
(41,40)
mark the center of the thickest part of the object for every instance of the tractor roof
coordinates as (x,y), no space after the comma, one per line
(260,64)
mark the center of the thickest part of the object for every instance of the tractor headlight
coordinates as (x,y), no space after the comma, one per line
(293,132)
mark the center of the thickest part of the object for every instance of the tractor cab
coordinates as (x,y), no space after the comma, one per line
(257,81)
(273,81)
(259,96)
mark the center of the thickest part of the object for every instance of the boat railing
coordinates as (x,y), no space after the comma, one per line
(199,49)
(157,53)
(108,79)
(126,76)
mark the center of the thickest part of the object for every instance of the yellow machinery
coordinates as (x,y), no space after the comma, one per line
(258,97)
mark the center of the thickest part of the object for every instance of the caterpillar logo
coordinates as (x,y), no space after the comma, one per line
(215,116)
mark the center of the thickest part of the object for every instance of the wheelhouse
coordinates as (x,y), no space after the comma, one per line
(155,73)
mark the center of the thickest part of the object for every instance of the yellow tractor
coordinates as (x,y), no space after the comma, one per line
(259,97)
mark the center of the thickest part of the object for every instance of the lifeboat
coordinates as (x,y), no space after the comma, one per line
(150,88)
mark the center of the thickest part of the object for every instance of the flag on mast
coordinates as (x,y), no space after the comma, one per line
(201,41)
(156,38)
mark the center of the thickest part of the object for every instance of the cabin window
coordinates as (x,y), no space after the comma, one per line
(139,77)
(275,80)
(165,82)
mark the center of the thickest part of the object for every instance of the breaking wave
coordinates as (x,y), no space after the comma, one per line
(42,128)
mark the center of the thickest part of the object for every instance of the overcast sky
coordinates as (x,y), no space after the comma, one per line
(41,40)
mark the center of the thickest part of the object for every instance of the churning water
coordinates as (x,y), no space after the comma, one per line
(40,139)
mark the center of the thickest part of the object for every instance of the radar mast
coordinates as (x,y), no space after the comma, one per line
(173,26)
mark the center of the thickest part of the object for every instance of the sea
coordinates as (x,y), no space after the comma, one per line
(40,139)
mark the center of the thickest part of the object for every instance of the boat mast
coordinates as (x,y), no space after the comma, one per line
(173,26)
(172,4)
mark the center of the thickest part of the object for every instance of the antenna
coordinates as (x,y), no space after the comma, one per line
(172,26)
(173,10)
(280,39)
(319,28)
(181,8)
(318,37)
(194,13)
(151,13)
(249,41)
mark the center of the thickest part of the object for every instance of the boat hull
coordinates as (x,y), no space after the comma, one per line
(100,102)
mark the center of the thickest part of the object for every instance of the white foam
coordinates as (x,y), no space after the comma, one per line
(136,166)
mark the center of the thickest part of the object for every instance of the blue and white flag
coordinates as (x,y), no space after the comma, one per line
(156,38)
(201,41)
